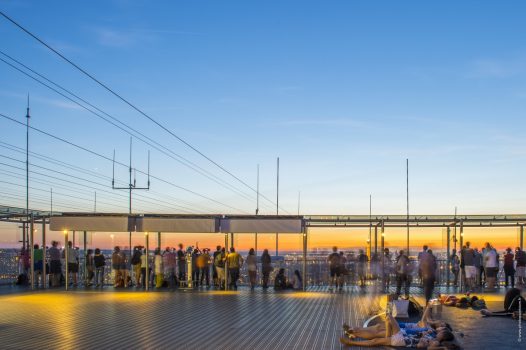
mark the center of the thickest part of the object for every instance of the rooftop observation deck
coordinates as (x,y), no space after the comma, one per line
(208,319)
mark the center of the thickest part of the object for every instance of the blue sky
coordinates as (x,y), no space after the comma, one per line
(343,92)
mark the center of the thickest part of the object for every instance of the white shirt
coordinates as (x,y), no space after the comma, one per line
(491,258)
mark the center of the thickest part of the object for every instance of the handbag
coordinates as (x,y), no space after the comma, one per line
(400,308)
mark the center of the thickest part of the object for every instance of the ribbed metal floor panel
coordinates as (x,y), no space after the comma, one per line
(179,320)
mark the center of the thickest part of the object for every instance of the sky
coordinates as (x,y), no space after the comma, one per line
(343,92)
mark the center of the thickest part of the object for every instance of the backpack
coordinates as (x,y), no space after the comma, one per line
(218,261)
(136,258)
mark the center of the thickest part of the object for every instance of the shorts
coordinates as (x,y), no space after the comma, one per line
(491,272)
(73,267)
(55,266)
(398,339)
(471,271)
(521,271)
(335,271)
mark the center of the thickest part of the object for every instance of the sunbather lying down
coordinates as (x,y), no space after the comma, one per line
(426,333)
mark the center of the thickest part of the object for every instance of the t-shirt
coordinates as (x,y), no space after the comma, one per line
(508,260)
(334,260)
(468,257)
(520,257)
(38,255)
(233,260)
(491,258)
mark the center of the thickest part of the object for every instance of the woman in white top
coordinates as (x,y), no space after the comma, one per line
(252,267)
(158,262)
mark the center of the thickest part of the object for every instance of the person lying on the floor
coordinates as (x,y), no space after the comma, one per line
(513,302)
(393,335)
(425,324)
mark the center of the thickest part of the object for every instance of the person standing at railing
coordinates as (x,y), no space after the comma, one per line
(90,266)
(38,264)
(386,268)
(428,267)
(100,262)
(55,266)
(520,258)
(491,265)
(203,263)
(252,268)
(424,251)
(214,267)
(234,262)
(73,261)
(181,263)
(266,267)
(469,260)
(334,268)
(136,263)
(509,268)
(362,261)
(169,263)
(455,267)
(158,262)
(219,264)
(402,274)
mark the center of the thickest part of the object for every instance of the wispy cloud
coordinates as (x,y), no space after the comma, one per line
(320,122)
(111,37)
(497,68)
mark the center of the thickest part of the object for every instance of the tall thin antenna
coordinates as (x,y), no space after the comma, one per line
(277,203)
(299,198)
(131,186)
(407,200)
(257,193)
(370,221)
(27,168)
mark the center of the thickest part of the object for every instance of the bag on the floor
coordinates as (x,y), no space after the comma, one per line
(21,279)
(400,308)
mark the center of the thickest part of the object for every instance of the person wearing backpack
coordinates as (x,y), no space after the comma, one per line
(402,274)
(136,263)
(334,268)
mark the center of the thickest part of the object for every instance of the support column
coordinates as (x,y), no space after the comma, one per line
(159,240)
(376,240)
(32,250)
(147,245)
(226,262)
(85,243)
(44,253)
(256,244)
(277,244)
(448,265)
(305,230)
(462,271)
(66,255)
(231,239)
(521,239)
(382,249)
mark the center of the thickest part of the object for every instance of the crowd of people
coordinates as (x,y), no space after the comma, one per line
(171,268)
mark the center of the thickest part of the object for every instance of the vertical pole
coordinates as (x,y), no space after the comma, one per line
(73,245)
(31,246)
(277,205)
(147,277)
(24,236)
(159,240)
(376,240)
(305,230)
(448,265)
(130,209)
(462,272)
(231,239)
(382,228)
(256,243)
(85,258)
(66,255)
(407,199)
(521,239)
(44,272)
(27,165)
(226,261)
(370,224)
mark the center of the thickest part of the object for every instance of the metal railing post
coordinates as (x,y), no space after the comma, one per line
(66,256)
(32,247)
(147,274)
(44,252)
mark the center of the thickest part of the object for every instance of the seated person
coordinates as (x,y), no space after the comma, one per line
(280,282)
(297,282)
(393,335)
(512,300)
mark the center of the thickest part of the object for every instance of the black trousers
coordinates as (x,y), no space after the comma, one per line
(429,285)
(402,279)
(510,273)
